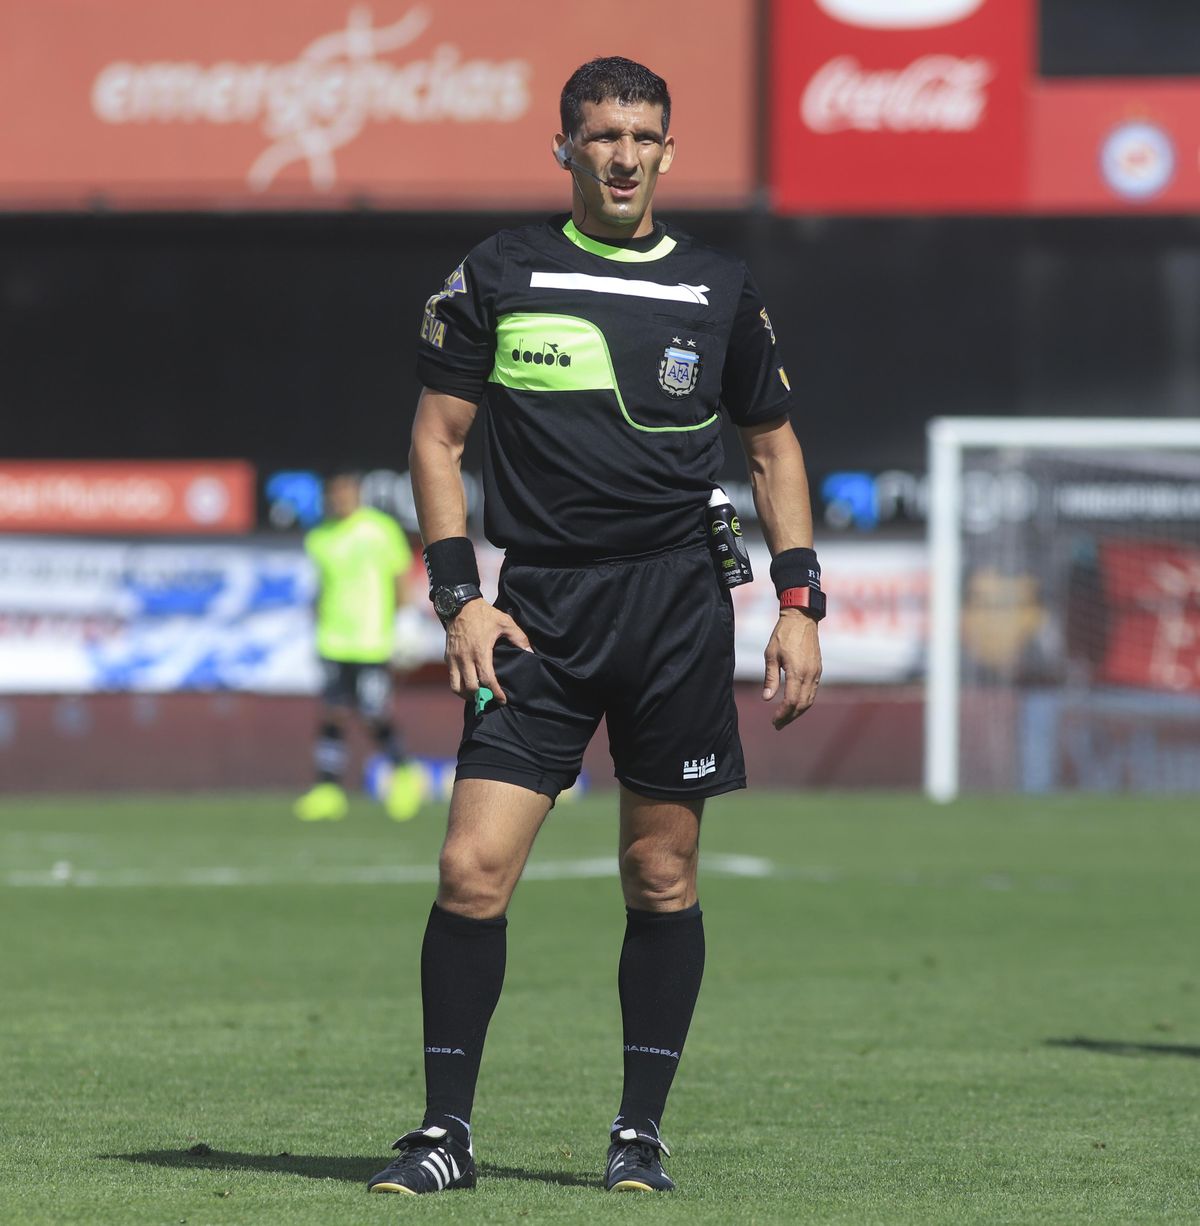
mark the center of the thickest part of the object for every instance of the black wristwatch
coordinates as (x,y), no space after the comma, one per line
(447,601)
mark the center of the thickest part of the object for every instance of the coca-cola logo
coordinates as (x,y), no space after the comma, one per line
(935,93)
(899,14)
(320,101)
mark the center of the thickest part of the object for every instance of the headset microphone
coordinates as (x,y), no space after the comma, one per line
(562,154)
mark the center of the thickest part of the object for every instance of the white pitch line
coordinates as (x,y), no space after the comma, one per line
(66,874)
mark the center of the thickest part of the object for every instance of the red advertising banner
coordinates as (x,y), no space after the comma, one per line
(1115,145)
(319,103)
(1153,592)
(153,497)
(895,105)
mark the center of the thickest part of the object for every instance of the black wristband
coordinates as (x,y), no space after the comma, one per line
(795,568)
(450,562)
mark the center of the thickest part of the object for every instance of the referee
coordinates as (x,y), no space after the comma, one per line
(604,348)
(361,557)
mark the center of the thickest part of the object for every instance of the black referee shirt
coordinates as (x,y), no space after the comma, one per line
(602,370)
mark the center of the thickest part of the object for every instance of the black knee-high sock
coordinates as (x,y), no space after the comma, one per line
(662,963)
(462,972)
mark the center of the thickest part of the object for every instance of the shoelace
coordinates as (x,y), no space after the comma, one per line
(412,1157)
(644,1153)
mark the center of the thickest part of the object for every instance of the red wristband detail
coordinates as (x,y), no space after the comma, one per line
(795,598)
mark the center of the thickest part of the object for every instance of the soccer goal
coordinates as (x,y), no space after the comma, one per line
(1064,636)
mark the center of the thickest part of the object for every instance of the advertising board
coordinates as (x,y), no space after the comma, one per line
(85,616)
(945,106)
(885,105)
(1153,595)
(1115,146)
(164,497)
(328,103)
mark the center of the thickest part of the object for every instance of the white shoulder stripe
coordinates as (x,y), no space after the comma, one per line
(619,285)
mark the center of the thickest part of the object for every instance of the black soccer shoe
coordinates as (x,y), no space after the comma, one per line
(634,1164)
(430,1161)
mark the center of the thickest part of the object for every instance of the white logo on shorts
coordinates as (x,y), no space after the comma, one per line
(697,768)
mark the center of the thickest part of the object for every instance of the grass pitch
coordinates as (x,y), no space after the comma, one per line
(988,1012)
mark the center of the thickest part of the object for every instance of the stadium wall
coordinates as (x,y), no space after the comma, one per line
(855,737)
(290,341)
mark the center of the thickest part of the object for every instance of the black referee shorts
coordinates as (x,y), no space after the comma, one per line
(646,642)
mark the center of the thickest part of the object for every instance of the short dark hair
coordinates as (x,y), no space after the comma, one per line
(344,472)
(611,76)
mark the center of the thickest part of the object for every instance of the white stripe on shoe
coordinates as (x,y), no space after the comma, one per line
(440,1156)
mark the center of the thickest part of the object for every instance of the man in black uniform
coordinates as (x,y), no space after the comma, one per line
(604,347)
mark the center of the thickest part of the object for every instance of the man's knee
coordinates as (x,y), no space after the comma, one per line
(657,876)
(472,883)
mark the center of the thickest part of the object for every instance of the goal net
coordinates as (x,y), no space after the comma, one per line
(1064,648)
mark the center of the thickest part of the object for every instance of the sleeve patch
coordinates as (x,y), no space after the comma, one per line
(433,329)
(767,324)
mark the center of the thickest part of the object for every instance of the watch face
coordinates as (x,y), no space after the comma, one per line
(445,602)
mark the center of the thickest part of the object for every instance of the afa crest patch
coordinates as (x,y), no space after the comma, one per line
(679,370)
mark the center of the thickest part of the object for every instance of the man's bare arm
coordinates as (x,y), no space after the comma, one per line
(780,485)
(439,435)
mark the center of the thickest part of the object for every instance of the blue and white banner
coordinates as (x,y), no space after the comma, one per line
(81,616)
(85,616)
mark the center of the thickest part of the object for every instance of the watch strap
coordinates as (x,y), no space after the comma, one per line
(810,600)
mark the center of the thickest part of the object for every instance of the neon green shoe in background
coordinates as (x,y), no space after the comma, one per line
(405,792)
(326,802)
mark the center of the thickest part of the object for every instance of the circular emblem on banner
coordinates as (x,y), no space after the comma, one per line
(1138,160)
(206,500)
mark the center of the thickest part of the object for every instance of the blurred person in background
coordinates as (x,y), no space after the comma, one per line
(362,560)
(604,346)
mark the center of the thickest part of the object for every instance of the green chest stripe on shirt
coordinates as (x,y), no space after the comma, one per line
(562,353)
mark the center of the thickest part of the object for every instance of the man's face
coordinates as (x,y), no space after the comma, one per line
(623,144)
(341,497)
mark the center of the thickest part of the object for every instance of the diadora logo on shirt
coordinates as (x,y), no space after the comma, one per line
(899,14)
(550,354)
(697,768)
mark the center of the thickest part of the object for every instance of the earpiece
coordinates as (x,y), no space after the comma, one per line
(562,155)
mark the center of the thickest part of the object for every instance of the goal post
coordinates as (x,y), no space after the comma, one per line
(1029,518)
